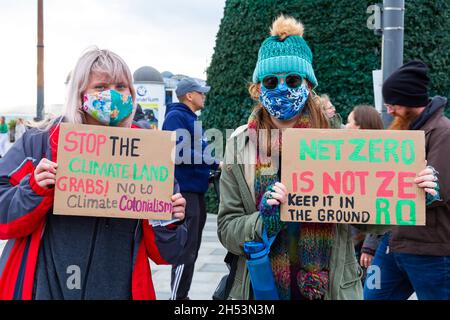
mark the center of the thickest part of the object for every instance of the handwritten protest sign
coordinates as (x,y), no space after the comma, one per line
(114,172)
(353,176)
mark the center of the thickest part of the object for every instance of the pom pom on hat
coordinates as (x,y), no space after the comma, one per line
(284,27)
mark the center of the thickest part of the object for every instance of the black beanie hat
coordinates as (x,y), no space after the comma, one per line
(408,85)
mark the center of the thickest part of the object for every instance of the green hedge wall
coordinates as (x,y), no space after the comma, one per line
(344,50)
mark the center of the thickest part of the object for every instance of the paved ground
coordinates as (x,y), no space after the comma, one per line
(209,268)
(7,146)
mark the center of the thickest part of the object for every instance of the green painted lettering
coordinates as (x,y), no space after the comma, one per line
(125,171)
(135,173)
(382,209)
(412,212)
(390,150)
(408,147)
(163,174)
(71,163)
(305,149)
(324,149)
(373,149)
(359,144)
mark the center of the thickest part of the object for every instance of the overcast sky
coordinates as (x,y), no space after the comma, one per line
(174,35)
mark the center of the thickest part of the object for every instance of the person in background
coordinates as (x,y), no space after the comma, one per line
(333,117)
(20,129)
(192,171)
(3,136)
(364,117)
(417,258)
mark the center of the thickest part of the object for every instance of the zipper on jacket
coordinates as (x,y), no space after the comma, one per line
(94,239)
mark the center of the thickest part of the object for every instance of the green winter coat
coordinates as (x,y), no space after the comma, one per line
(239,221)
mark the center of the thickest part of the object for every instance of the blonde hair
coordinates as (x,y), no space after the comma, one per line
(94,60)
(324,98)
(99,61)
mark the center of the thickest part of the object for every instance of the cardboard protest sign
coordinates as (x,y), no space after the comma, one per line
(114,172)
(353,176)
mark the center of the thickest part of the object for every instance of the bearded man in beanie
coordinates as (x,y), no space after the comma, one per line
(417,259)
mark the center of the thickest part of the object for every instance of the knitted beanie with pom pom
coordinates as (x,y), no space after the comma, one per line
(285,51)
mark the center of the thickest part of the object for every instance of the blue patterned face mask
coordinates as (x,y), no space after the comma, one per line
(283,102)
(108,107)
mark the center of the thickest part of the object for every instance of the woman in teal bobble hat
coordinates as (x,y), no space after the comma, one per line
(308,260)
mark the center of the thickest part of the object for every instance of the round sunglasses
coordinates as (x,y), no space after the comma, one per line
(292,80)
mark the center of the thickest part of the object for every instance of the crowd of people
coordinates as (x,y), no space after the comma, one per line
(308,261)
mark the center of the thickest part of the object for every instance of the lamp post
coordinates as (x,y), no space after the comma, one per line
(388,20)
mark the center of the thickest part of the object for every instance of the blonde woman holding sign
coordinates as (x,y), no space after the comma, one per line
(3,136)
(307,260)
(62,257)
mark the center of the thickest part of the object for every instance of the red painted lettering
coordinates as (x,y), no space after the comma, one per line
(329,182)
(382,191)
(402,185)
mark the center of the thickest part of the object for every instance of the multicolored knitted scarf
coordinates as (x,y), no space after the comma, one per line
(300,255)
